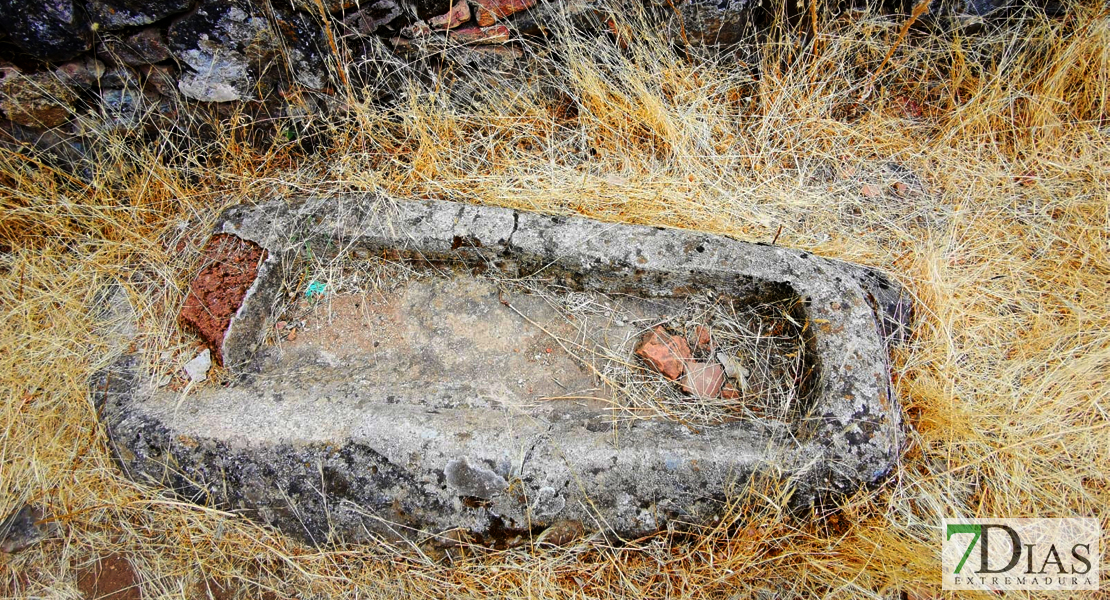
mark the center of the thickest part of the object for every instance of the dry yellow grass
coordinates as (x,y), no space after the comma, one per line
(1003,235)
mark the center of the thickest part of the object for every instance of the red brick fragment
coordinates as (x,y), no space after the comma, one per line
(703,340)
(665,353)
(491,10)
(703,380)
(729,392)
(215,295)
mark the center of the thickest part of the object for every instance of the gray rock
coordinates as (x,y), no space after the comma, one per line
(341,439)
(226,46)
(229,45)
(48,29)
(304,49)
(23,528)
(713,22)
(373,17)
(197,369)
(110,15)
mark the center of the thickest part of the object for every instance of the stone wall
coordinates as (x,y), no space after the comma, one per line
(118,60)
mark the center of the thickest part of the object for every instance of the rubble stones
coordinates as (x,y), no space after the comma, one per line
(373,17)
(84,73)
(713,22)
(665,353)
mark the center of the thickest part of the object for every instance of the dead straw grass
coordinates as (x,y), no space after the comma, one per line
(1003,234)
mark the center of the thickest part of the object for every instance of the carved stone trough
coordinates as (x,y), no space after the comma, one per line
(381,429)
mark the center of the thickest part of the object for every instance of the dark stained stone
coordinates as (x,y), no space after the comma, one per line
(110,15)
(53,30)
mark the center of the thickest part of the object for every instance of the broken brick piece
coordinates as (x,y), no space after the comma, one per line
(703,380)
(491,10)
(665,353)
(703,341)
(230,267)
(729,392)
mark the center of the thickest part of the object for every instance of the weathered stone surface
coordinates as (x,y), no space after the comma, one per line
(373,17)
(36,100)
(234,269)
(665,353)
(47,30)
(331,6)
(489,11)
(459,13)
(84,73)
(713,22)
(143,48)
(23,528)
(225,44)
(426,9)
(303,48)
(322,442)
(110,15)
(498,34)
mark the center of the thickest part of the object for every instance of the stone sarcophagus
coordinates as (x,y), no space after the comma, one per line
(502,377)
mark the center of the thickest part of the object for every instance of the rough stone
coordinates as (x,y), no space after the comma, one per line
(231,270)
(162,79)
(197,369)
(23,528)
(325,442)
(459,13)
(498,34)
(84,73)
(110,15)
(426,9)
(47,30)
(226,45)
(332,6)
(143,48)
(119,77)
(666,354)
(713,22)
(38,100)
(416,30)
(303,54)
(374,17)
(489,11)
